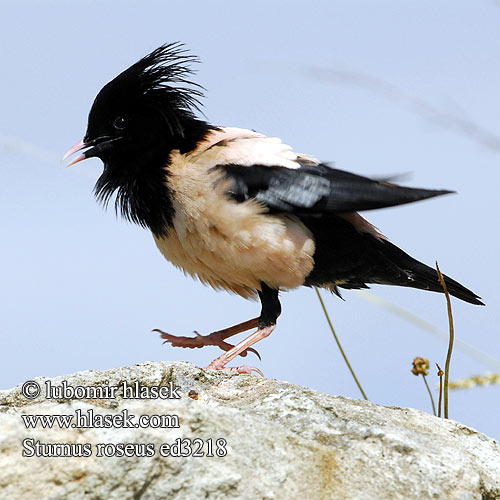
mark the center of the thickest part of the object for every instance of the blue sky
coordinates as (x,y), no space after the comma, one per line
(376,88)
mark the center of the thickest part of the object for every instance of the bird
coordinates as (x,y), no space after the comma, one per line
(236,209)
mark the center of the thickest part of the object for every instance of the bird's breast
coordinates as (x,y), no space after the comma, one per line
(231,245)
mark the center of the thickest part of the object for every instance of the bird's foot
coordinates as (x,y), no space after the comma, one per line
(214,338)
(221,362)
(234,369)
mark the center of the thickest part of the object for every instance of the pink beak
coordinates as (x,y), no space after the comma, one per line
(73,149)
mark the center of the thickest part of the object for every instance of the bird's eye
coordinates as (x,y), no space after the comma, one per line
(120,123)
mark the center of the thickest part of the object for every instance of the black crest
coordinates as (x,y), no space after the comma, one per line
(162,78)
(159,81)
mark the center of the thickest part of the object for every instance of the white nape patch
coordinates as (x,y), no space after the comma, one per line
(239,146)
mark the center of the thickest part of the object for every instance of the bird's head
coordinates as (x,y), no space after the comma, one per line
(136,120)
(149,105)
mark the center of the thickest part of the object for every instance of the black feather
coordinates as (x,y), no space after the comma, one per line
(162,79)
(316,189)
(350,259)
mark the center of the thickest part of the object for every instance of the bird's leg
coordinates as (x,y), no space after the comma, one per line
(215,338)
(271,309)
(221,362)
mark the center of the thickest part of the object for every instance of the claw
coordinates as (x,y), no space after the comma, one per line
(251,349)
(190,342)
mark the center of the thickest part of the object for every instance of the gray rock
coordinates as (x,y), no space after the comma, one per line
(281,442)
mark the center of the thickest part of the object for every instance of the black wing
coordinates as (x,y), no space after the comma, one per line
(313,189)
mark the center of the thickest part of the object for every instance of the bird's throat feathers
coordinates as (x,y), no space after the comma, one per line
(140,181)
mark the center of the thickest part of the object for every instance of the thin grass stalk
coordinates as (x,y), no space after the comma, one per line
(339,344)
(440,403)
(450,344)
(430,395)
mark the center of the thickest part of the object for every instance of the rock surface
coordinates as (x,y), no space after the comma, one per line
(280,441)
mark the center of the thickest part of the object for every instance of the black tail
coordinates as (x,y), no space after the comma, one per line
(347,258)
(415,274)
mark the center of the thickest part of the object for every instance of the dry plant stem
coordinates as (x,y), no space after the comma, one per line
(450,345)
(430,395)
(338,344)
(440,375)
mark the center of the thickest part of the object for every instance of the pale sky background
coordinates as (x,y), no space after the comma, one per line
(378,88)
